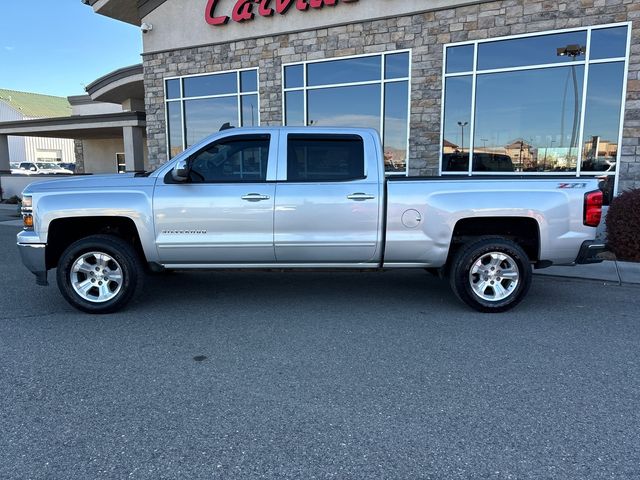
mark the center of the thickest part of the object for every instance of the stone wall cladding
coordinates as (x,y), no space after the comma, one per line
(79,151)
(425,34)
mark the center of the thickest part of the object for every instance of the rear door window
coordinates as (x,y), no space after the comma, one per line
(325,158)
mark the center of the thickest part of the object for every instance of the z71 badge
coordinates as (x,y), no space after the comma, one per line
(572,185)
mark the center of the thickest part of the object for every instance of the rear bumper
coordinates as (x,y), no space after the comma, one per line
(589,252)
(33,257)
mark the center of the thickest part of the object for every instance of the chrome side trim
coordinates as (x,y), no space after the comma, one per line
(408,265)
(325,244)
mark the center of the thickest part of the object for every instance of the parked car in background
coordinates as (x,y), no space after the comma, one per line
(482,162)
(68,166)
(41,168)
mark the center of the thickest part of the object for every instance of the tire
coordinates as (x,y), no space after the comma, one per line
(100,274)
(491,259)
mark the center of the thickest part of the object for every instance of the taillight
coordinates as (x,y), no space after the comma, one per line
(592,208)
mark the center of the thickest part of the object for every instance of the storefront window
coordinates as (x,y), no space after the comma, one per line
(537,103)
(366,91)
(456,122)
(546,114)
(200,105)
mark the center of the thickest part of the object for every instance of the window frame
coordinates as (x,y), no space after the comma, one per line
(181,99)
(586,62)
(382,82)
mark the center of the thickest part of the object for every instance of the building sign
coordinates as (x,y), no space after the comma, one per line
(245,10)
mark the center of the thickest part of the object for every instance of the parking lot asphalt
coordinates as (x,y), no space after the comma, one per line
(318,375)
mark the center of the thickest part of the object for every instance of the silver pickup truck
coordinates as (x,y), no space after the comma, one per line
(303,198)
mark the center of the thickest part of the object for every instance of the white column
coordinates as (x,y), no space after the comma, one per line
(5,166)
(133,148)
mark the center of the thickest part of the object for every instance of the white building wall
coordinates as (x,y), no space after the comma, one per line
(65,145)
(17,152)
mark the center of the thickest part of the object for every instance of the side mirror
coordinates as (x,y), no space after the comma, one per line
(33,169)
(180,172)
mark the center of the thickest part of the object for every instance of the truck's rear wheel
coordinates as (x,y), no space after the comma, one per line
(99,274)
(491,274)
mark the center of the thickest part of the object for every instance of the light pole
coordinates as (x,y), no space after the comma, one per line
(573,51)
(462,125)
(544,165)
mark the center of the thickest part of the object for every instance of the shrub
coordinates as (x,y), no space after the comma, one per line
(623,226)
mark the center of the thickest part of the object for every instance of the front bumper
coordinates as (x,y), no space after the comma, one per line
(33,257)
(589,252)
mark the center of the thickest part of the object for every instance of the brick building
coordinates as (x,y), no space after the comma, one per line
(452,85)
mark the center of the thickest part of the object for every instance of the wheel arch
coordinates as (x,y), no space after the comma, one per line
(525,231)
(65,231)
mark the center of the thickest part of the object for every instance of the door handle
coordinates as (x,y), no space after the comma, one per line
(359,197)
(255,197)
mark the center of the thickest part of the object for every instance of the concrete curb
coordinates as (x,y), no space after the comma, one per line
(607,271)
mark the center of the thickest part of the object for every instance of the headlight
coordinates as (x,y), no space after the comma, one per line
(27,212)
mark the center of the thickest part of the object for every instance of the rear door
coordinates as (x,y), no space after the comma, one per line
(224,213)
(328,200)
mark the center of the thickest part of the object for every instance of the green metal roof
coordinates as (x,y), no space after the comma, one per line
(34,105)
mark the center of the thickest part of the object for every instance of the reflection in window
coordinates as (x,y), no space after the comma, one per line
(396,65)
(519,113)
(311,158)
(459,59)
(249,111)
(294,108)
(396,111)
(345,106)
(538,50)
(456,123)
(525,104)
(294,76)
(608,43)
(174,118)
(206,85)
(173,88)
(201,105)
(206,116)
(360,69)
(231,160)
(249,81)
(602,117)
(381,80)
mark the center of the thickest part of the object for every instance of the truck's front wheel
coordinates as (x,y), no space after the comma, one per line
(99,274)
(491,274)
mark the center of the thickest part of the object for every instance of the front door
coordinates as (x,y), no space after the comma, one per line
(223,214)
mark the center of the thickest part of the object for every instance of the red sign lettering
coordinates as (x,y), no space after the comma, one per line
(243,9)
